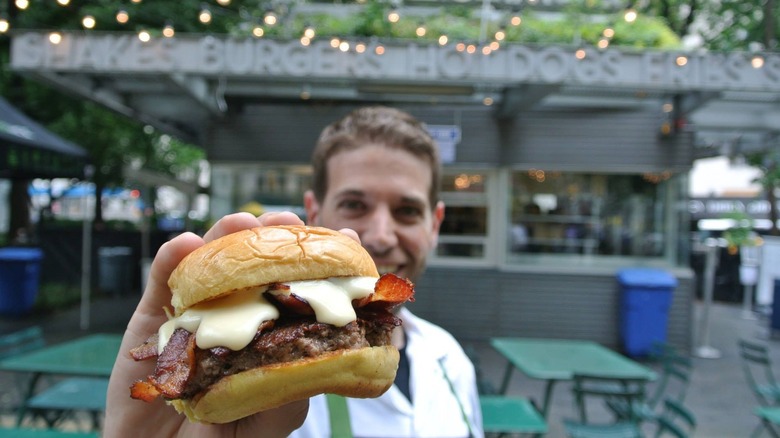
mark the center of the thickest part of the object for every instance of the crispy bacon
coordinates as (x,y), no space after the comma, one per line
(175,365)
(144,390)
(390,291)
(147,349)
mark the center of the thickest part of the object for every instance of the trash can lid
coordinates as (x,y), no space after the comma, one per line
(647,277)
(20,254)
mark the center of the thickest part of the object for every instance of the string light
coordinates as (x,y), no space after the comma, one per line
(500,34)
(223,2)
(757,61)
(270,18)
(4,25)
(258,31)
(460,47)
(421,30)
(608,32)
(88,22)
(603,43)
(630,15)
(55,38)
(344,46)
(309,32)
(22,4)
(63,2)
(379,50)
(393,16)
(205,15)
(580,54)
(305,41)
(360,47)
(335,42)
(495,45)
(122,16)
(681,60)
(443,40)
(168,30)
(144,36)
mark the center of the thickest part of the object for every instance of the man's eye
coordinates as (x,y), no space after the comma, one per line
(409,212)
(352,205)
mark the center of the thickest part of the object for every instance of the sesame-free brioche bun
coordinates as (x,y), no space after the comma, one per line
(364,372)
(265,255)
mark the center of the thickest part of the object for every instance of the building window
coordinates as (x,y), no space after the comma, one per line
(579,215)
(464,232)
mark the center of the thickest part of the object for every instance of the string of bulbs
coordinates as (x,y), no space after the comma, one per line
(271,18)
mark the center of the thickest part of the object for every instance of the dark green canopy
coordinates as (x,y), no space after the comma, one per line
(28,150)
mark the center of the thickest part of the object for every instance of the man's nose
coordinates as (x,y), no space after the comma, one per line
(380,233)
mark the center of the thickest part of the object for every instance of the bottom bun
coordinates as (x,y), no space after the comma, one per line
(363,373)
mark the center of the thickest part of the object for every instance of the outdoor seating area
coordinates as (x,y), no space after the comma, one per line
(57,388)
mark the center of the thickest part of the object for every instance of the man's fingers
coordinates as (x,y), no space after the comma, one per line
(280,218)
(231,224)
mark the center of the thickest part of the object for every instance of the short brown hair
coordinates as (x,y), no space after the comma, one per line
(375,125)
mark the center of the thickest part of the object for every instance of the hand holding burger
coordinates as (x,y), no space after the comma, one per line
(128,417)
(267,316)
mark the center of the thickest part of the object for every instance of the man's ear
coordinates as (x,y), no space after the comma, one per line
(312,207)
(438,218)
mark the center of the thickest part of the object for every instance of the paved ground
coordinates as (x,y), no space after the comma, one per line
(718,394)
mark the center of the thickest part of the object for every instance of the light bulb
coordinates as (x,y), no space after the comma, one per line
(122,16)
(88,22)
(168,31)
(630,16)
(393,16)
(205,16)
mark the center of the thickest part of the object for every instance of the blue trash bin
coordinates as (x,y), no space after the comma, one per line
(20,270)
(646,295)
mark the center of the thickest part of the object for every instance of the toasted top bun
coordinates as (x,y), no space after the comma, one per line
(363,373)
(265,255)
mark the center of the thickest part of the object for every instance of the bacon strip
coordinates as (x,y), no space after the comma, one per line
(390,291)
(175,365)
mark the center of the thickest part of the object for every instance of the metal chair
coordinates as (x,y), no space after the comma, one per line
(510,415)
(675,419)
(589,387)
(673,384)
(757,367)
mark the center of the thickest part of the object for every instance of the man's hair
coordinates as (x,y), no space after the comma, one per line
(376,125)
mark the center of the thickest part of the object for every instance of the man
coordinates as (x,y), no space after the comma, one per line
(377,172)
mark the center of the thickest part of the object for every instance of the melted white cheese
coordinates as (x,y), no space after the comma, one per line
(232,321)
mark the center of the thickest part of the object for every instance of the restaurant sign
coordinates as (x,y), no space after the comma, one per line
(124,53)
(713,208)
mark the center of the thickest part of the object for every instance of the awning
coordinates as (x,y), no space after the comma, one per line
(28,150)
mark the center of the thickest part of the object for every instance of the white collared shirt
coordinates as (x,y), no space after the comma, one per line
(435,411)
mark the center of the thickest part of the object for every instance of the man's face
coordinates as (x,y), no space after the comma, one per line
(382,194)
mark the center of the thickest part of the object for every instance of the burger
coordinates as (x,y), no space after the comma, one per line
(270,315)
